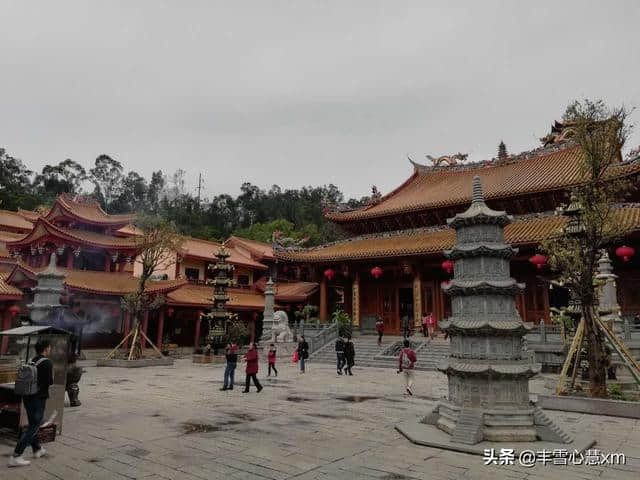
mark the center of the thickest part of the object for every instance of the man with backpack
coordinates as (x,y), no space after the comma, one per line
(32,383)
(406,364)
(340,355)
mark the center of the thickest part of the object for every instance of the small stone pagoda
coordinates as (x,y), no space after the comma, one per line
(488,367)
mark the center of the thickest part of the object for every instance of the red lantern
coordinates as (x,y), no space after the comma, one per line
(14,310)
(447,266)
(625,253)
(170,312)
(376,272)
(329,273)
(538,260)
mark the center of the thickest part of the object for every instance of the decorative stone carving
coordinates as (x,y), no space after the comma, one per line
(280,331)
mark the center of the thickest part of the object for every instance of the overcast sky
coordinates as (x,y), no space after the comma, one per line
(302,92)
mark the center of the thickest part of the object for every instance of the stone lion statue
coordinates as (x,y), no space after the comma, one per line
(280,331)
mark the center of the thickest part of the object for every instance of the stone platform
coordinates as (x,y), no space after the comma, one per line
(431,436)
(144,362)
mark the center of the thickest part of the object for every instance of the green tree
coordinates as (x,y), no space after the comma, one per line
(601,133)
(66,177)
(107,178)
(15,184)
(157,245)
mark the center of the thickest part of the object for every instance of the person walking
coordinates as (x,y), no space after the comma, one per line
(406,363)
(251,357)
(431,324)
(406,329)
(231,354)
(350,355)
(271,359)
(35,405)
(340,355)
(425,321)
(380,329)
(303,353)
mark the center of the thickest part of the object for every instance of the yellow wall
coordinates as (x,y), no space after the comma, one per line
(243,271)
(191,263)
(168,267)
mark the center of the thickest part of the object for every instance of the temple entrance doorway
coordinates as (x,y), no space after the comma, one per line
(405,306)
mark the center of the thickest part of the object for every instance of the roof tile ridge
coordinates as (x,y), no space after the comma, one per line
(494,162)
(373,236)
(382,199)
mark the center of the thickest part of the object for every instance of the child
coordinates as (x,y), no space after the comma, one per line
(271,358)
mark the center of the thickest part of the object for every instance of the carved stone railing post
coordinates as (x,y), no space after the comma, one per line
(543,332)
(627,329)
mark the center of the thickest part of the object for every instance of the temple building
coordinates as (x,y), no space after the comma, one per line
(392,264)
(97,253)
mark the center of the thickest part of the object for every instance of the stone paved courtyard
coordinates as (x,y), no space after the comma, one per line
(174,423)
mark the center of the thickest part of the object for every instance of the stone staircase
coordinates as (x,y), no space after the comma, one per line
(469,427)
(547,429)
(368,353)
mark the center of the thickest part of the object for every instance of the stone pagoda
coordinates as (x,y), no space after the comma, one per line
(488,367)
(219,316)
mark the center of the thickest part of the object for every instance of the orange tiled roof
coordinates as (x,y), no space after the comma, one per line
(29,215)
(200,296)
(434,241)
(112,283)
(8,292)
(555,169)
(290,291)
(13,220)
(86,211)
(11,236)
(44,228)
(205,250)
(260,249)
(102,283)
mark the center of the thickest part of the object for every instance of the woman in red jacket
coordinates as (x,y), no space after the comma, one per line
(251,358)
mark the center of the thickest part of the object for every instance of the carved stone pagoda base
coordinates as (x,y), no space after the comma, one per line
(431,436)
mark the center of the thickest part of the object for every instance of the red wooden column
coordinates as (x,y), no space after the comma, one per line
(127,325)
(121,266)
(70,259)
(107,263)
(160,327)
(323,299)
(145,325)
(196,341)
(6,325)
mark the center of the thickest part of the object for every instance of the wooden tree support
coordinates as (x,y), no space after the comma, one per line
(576,345)
(135,332)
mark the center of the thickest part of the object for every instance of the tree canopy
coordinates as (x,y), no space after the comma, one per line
(254,213)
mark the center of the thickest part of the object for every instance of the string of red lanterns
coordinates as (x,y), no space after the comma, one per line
(625,253)
(538,260)
(329,273)
(376,272)
(447,266)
